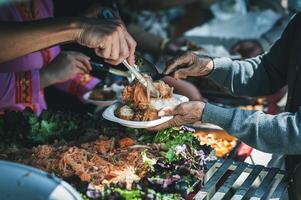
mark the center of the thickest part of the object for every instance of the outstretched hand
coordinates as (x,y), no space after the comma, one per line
(189,64)
(185,113)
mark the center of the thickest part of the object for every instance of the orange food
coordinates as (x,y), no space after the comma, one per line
(138,103)
(98,162)
(126,142)
(137,94)
(103,146)
(219,140)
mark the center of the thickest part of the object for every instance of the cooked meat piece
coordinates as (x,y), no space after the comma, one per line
(136,93)
(103,146)
(137,97)
(126,142)
(102,95)
(146,114)
(125,112)
(165,90)
(150,114)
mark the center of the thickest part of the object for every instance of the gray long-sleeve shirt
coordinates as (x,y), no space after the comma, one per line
(259,76)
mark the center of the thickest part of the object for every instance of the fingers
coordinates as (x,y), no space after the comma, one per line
(122,47)
(167,111)
(175,122)
(132,48)
(80,68)
(80,60)
(106,52)
(178,61)
(85,60)
(123,52)
(115,51)
(171,111)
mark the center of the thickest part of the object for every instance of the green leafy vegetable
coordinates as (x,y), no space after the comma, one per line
(138,61)
(129,194)
(148,162)
(27,129)
(174,137)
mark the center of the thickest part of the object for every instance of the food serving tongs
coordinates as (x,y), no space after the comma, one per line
(133,73)
(108,14)
(146,83)
(104,68)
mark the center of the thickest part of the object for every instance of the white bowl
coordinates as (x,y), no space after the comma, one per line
(87,99)
(109,114)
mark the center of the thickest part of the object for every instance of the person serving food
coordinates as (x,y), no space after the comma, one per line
(259,76)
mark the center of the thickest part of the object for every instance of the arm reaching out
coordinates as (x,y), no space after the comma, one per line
(259,76)
(109,39)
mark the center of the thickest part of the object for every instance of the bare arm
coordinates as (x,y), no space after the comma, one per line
(20,38)
(110,39)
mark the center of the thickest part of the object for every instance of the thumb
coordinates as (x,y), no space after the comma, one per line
(170,111)
(176,62)
(167,111)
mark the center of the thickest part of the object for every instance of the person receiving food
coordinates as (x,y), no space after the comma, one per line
(262,75)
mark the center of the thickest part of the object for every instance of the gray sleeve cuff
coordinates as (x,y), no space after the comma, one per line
(217,115)
(221,68)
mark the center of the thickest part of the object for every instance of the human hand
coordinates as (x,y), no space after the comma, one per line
(248,48)
(110,40)
(189,64)
(185,113)
(64,67)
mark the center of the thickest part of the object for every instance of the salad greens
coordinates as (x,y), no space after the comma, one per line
(171,176)
(25,129)
(148,162)
(129,195)
(174,137)
(137,194)
(138,60)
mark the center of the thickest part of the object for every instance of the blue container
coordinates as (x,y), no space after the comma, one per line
(27,183)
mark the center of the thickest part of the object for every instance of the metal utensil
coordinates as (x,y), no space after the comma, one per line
(148,84)
(99,67)
(107,13)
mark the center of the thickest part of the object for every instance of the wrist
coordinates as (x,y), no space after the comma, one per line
(202,107)
(76,28)
(209,67)
(206,61)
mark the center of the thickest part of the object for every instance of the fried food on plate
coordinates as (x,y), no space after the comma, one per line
(137,104)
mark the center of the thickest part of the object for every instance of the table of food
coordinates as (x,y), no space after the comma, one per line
(112,155)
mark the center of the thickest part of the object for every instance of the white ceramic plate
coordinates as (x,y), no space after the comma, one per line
(87,99)
(109,115)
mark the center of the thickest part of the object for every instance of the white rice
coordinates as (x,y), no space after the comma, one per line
(161,103)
